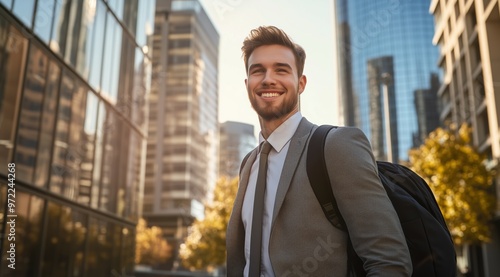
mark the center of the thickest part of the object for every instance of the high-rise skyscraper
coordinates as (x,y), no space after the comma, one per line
(183,139)
(74,79)
(467,33)
(384,45)
(236,140)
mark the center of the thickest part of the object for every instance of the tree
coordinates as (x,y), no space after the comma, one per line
(151,248)
(460,180)
(205,246)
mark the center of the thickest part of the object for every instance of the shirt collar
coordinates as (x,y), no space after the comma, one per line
(283,134)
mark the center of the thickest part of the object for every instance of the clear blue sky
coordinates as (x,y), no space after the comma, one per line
(309,23)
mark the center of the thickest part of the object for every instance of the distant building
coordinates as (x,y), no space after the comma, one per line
(467,33)
(236,140)
(183,138)
(376,39)
(426,104)
(74,79)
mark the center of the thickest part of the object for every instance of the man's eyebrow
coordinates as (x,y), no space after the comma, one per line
(255,65)
(259,65)
(282,65)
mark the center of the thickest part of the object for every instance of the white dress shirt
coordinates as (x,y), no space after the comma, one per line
(280,141)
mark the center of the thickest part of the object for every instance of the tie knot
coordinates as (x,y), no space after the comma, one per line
(266,148)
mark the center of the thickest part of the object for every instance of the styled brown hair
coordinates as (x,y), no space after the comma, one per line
(269,35)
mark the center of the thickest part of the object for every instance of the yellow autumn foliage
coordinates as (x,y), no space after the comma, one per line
(205,246)
(461,182)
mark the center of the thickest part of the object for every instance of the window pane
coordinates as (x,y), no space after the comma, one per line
(61,152)
(60,26)
(80,20)
(110,162)
(134,172)
(77,240)
(100,248)
(88,19)
(130,15)
(145,21)
(24,11)
(111,59)
(95,59)
(58,241)
(128,253)
(75,143)
(47,126)
(13,50)
(29,121)
(87,149)
(43,19)
(7,3)
(96,174)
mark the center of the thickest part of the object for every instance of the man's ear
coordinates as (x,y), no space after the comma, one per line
(302,83)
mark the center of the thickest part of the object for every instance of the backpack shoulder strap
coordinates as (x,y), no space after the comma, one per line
(318,176)
(320,183)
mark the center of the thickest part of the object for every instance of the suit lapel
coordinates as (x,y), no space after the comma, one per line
(243,182)
(295,150)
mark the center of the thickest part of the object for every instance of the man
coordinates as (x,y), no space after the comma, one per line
(297,239)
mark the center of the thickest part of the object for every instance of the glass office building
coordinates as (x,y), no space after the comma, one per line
(183,138)
(238,139)
(386,47)
(74,80)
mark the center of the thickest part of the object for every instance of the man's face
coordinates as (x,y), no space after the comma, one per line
(273,85)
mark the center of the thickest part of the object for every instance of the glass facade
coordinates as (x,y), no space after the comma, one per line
(238,139)
(74,79)
(386,45)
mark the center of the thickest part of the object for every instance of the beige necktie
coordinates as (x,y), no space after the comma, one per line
(258,207)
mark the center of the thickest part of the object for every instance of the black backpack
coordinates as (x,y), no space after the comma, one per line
(429,240)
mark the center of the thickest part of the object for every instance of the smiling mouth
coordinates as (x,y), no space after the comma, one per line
(269,94)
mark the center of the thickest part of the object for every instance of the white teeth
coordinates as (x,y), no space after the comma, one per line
(270,94)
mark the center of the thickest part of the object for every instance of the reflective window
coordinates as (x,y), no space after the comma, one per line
(61,151)
(47,126)
(28,225)
(84,41)
(63,241)
(117,7)
(29,121)
(87,150)
(128,252)
(95,59)
(111,59)
(24,11)
(145,21)
(111,162)
(60,26)
(13,52)
(6,3)
(130,15)
(134,176)
(77,237)
(142,84)
(100,248)
(76,143)
(43,19)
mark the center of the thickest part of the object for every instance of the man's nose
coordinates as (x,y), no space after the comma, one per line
(268,79)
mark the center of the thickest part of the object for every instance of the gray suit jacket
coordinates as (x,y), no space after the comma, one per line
(303,242)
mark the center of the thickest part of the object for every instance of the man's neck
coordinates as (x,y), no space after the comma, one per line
(267,127)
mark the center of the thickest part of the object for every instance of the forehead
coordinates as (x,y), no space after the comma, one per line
(271,54)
